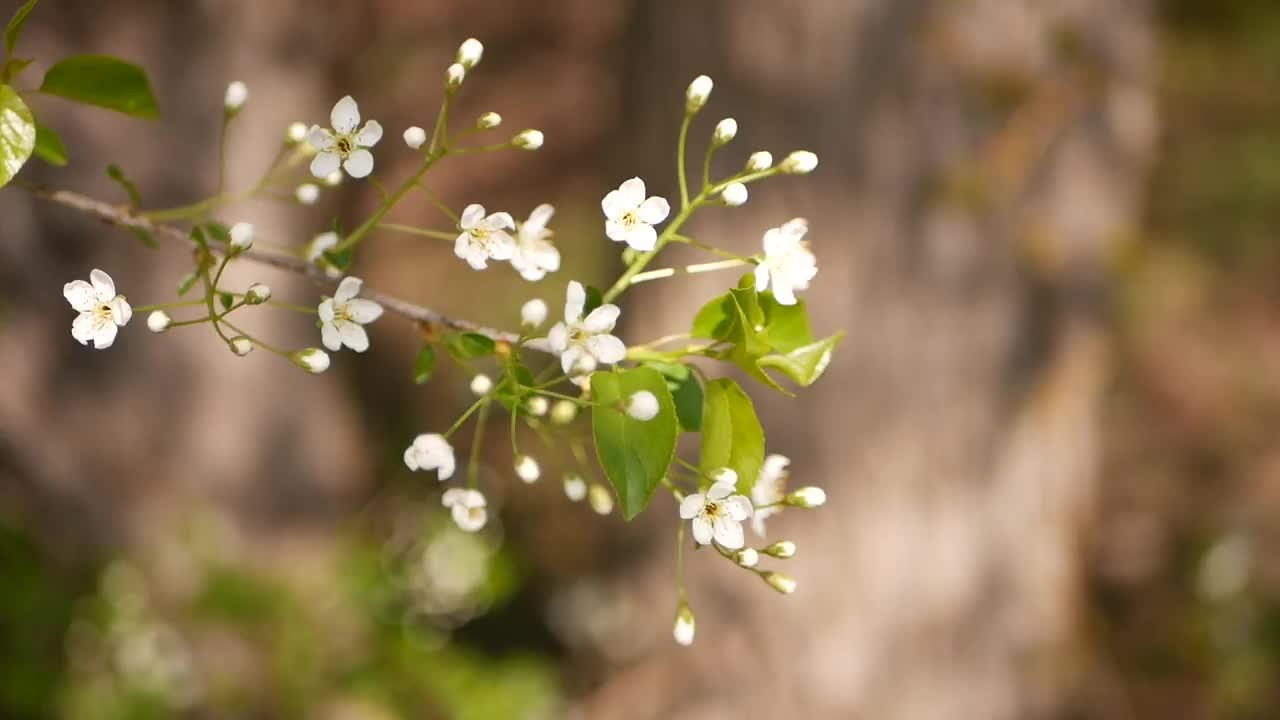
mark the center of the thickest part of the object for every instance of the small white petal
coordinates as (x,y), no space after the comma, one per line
(471,216)
(81,296)
(632,193)
(359,163)
(370,135)
(102,283)
(692,506)
(325,163)
(728,533)
(724,485)
(558,338)
(84,327)
(602,319)
(326,310)
(347,289)
(121,313)
(703,531)
(104,334)
(353,336)
(654,210)
(575,300)
(363,311)
(606,349)
(345,116)
(642,237)
(318,138)
(242,234)
(330,336)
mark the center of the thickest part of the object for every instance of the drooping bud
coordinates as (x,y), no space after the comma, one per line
(762,160)
(734,194)
(237,94)
(725,131)
(575,488)
(488,121)
(784,584)
(696,96)
(800,162)
(414,137)
(747,557)
(470,52)
(527,469)
(537,406)
(241,237)
(296,133)
(533,313)
(159,321)
(600,499)
(564,412)
(453,78)
(307,194)
(783,549)
(313,360)
(257,294)
(481,384)
(807,497)
(683,629)
(528,139)
(240,345)
(333,179)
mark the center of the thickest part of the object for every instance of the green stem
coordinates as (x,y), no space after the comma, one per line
(645,258)
(222,153)
(421,232)
(680,152)
(708,248)
(686,270)
(208,301)
(473,466)
(256,341)
(162,306)
(440,205)
(458,423)
(359,233)
(680,560)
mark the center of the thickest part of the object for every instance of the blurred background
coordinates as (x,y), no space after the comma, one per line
(1048,227)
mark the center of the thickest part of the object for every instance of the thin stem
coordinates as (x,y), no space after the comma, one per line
(515,450)
(686,270)
(481,148)
(680,148)
(559,396)
(378,186)
(680,560)
(458,423)
(222,153)
(440,205)
(708,248)
(188,323)
(706,167)
(410,230)
(473,465)
(162,306)
(208,301)
(624,281)
(359,233)
(256,341)
(439,139)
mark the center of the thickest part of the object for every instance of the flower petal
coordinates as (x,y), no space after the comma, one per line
(539,218)
(574,300)
(558,338)
(326,310)
(642,237)
(702,530)
(121,312)
(347,289)
(501,246)
(616,231)
(370,135)
(411,458)
(691,505)
(324,164)
(102,283)
(452,496)
(81,296)
(359,163)
(762,277)
(83,327)
(330,336)
(364,311)
(728,533)
(569,358)
(345,116)
(602,319)
(353,335)
(615,205)
(739,507)
(471,216)
(104,333)
(724,486)
(499,221)
(606,349)
(783,293)
(319,138)
(632,193)
(654,210)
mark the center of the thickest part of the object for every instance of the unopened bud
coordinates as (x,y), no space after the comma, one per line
(734,194)
(564,412)
(575,488)
(159,321)
(528,139)
(481,384)
(600,499)
(527,469)
(453,77)
(726,129)
(533,313)
(684,627)
(642,406)
(414,137)
(747,557)
(784,584)
(241,237)
(313,360)
(537,406)
(307,193)
(257,294)
(333,179)
(240,345)
(762,160)
(488,121)
(237,94)
(782,550)
(696,96)
(800,162)
(296,133)
(470,52)
(807,497)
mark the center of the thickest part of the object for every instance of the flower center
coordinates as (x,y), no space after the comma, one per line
(104,311)
(630,219)
(711,509)
(344,146)
(576,334)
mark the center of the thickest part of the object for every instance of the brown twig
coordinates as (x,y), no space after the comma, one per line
(430,321)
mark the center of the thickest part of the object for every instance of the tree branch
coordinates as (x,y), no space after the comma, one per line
(430,321)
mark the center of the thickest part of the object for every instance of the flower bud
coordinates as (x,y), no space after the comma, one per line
(453,77)
(696,96)
(527,469)
(333,179)
(159,321)
(564,412)
(296,133)
(642,406)
(414,137)
(600,499)
(313,360)
(784,584)
(470,52)
(481,384)
(488,121)
(783,549)
(237,94)
(528,139)
(726,129)
(240,345)
(307,194)
(575,488)
(734,194)
(762,160)
(241,237)
(684,625)
(747,557)
(257,294)
(537,406)
(533,313)
(807,497)
(800,162)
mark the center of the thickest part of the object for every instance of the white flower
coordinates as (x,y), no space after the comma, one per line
(527,469)
(414,137)
(533,313)
(470,52)
(488,121)
(782,583)
(430,452)
(481,384)
(528,139)
(257,294)
(159,321)
(307,193)
(236,96)
(783,549)
(534,254)
(321,244)
(575,488)
(453,77)
(769,490)
(241,236)
(342,316)
(808,497)
(102,311)
(343,145)
(537,406)
(684,626)
(718,514)
(630,217)
(241,345)
(747,557)
(642,406)
(758,161)
(788,263)
(296,133)
(697,94)
(600,499)
(725,131)
(484,238)
(800,162)
(313,360)
(734,194)
(583,342)
(468,508)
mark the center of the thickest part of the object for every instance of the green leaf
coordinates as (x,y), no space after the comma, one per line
(218,231)
(514,386)
(786,327)
(115,173)
(49,147)
(686,392)
(12,67)
(197,236)
(635,455)
(187,282)
(804,364)
(734,317)
(424,364)
(144,237)
(17,134)
(467,346)
(227,300)
(103,81)
(731,433)
(14,28)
